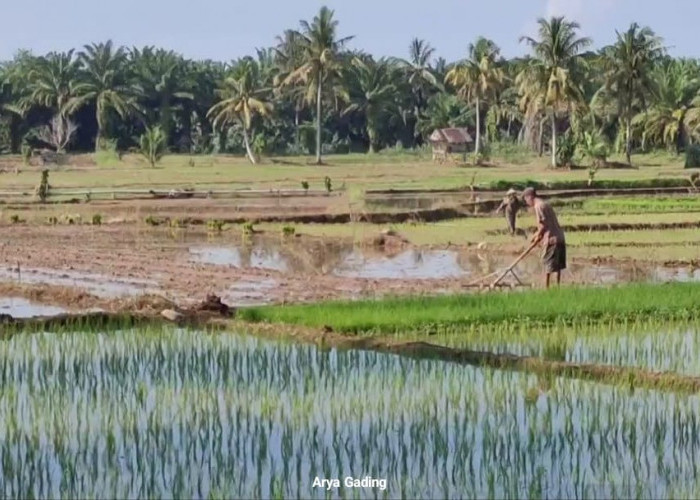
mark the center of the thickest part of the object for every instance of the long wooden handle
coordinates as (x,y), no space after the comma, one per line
(515,263)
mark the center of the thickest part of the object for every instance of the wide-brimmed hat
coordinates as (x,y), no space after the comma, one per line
(511,191)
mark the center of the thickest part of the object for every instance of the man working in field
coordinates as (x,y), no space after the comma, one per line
(548,231)
(511,204)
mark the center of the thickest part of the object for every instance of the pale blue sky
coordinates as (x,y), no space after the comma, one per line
(226,29)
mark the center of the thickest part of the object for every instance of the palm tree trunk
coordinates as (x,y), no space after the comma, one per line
(15,135)
(477,146)
(99,117)
(554,140)
(246,141)
(297,132)
(628,141)
(541,138)
(319,88)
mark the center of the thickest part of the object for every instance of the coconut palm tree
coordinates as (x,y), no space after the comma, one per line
(289,56)
(242,98)
(105,83)
(551,77)
(673,119)
(476,78)
(321,46)
(628,74)
(419,76)
(371,92)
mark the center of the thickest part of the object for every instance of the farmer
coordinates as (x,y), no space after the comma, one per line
(549,232)
(511,204)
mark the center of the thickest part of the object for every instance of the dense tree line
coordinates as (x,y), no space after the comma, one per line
(310,92)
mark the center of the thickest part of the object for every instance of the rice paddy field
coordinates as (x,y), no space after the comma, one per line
(170,413)
(352,370)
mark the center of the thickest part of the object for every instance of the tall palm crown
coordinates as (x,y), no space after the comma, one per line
(165,84)
(320,45)
(242,97)
(628,73)
(477,77)
(674,118)
(371,92)
(104,82)
(52,81)
(553,71)
(420,77)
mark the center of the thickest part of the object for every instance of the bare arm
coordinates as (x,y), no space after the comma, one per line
(501,207)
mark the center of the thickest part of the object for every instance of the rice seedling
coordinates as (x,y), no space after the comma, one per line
(215,225)
(566,306)
(288,230)
(161,412)
(96,219)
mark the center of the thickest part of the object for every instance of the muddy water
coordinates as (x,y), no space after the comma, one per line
(96,284)
(22,308)
(407,264)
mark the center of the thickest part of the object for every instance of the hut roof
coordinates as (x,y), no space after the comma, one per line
(451,136)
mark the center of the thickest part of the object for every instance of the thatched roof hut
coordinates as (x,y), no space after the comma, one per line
(450,140)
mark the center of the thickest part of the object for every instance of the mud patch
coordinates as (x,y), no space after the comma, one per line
(95,284)
(251,292)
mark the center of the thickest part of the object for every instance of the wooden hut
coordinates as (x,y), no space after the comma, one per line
(446,141)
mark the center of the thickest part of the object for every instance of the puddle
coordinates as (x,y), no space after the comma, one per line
(250,292)
(96,284)
(411,264)
(22,308)
(257,257)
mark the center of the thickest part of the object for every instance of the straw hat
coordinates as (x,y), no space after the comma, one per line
(511,191)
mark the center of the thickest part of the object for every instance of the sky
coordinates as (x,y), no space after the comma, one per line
(227,29)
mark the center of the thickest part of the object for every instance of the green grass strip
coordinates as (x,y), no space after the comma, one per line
(568,305)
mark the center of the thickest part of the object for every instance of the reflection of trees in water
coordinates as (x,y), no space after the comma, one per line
(316,257)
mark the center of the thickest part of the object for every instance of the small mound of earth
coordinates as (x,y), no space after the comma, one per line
(389,239)
(212,305)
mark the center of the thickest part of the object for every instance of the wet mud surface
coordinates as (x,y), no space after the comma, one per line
(112,267)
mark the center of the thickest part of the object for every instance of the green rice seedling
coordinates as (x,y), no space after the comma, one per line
(215,225)
(288,230)
(151,221)
(328,184)
(176,223)
(16,219)
(96,219)
(305,186)
(52,220)
(248,229)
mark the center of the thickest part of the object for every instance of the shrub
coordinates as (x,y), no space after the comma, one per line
(153,145)
(692,156)
(566,149)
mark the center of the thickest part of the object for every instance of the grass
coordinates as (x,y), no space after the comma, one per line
(380,171)
(566,305)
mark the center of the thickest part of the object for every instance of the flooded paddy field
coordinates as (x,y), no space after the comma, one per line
(121,261)
(174,413)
